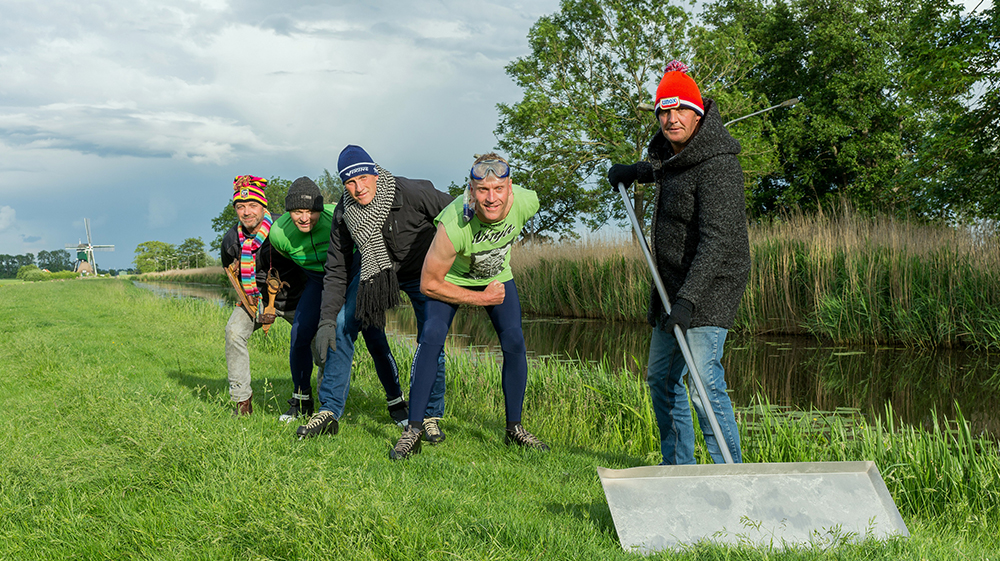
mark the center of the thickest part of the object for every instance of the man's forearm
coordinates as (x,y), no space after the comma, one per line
(454,294)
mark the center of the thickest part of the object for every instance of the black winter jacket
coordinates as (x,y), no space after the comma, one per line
(699,234)
(408,231)
(267,257)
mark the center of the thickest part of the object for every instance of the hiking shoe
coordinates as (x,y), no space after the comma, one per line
(244,407)
(432,432)
(399,412)
(518,435)
(299,404)
(408,444)
(321,423)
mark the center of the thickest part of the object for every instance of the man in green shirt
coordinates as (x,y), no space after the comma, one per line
(302,234)
(469,263)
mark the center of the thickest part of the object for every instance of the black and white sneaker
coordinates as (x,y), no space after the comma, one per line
(298,405)
(399,411)
(518,435)
(408,444)
(321,423)
(432,431)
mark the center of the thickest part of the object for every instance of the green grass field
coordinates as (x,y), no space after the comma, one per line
(119,444)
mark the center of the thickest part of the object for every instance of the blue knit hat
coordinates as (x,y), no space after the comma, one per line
(354,161)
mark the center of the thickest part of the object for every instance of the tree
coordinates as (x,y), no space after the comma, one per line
(276,191)
(331,186)
(591,66)
(57,260)
(875,80)
(957,168)
(191,253)
(153,256)
(10,264)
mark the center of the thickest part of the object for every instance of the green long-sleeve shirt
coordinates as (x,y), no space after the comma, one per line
(307,250)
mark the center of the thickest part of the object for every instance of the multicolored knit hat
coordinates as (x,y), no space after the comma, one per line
(677,89)
(249,188)
(354,161)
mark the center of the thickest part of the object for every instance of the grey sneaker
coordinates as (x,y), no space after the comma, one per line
(408,444)
(399,412)
(518,435)
(321,423)
(432,432)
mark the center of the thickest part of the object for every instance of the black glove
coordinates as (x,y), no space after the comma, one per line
(326,337)
(680,314)
(622,173)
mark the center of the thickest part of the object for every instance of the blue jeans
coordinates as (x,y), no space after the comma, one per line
(506,319)
(336,382)
(670,398)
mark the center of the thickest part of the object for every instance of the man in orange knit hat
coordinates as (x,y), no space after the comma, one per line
(701,250)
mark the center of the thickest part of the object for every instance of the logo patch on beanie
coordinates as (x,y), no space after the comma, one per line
(244,193)
(670,102)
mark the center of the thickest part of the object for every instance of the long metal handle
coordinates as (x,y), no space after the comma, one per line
(681,340)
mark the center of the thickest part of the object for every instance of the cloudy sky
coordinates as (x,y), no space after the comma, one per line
(137,115)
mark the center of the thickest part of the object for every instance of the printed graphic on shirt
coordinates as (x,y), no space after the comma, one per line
(488,264)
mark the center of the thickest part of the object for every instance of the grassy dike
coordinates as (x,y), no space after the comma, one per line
(119,444)
(839,277)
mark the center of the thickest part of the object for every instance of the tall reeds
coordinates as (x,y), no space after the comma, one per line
(593,279)
(839,276)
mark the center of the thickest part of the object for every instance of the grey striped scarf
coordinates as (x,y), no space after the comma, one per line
(378,289)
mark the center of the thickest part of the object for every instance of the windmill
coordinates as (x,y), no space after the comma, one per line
(85,252)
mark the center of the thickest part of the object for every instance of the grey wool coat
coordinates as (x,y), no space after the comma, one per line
(699,233)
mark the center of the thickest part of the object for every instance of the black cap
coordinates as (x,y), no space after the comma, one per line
(304,194)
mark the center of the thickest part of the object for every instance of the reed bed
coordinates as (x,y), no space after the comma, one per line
(203,275)
(839,276)
(599,278)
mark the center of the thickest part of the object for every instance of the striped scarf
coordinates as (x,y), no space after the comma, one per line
(248,261)
(378,289)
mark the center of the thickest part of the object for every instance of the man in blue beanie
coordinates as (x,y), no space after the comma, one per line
(386,222)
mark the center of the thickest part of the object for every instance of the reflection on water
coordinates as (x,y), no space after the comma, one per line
(791,372)
(222,296)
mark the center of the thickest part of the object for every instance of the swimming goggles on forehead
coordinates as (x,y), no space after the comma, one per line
(480,170)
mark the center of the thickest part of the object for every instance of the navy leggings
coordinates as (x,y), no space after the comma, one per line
(506,320)
(304,326)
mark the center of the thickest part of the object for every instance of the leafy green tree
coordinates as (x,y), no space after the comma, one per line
(57,260)
(331,186)
(592,65)
(276,191)
(154,256)
(957,167)
(874,79)
(191,253)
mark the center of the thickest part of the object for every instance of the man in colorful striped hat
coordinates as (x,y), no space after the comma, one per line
(247,244)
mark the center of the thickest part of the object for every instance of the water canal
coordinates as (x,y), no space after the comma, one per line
(797,374)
